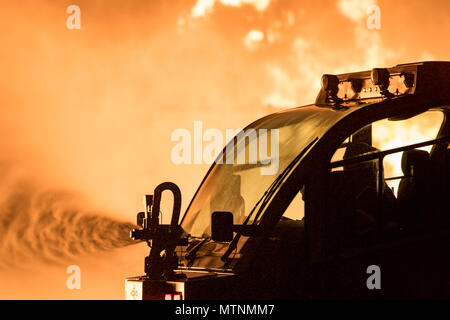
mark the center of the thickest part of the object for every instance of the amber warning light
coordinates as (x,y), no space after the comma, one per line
(383,83)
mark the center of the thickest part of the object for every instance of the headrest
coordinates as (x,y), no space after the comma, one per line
(414,158)
(356,149)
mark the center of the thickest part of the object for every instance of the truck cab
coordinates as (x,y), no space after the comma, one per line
(357,209)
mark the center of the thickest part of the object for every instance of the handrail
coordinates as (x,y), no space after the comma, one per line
(397,177)
(381,154)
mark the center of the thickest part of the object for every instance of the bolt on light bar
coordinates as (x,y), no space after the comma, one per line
(385,83)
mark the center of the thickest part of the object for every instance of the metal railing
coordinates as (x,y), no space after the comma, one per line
(379,157)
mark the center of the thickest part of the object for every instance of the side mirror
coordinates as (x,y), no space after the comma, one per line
(222,226)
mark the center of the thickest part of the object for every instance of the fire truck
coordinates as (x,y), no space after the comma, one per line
(337,221)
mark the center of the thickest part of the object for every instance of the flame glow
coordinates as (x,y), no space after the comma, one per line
(92,110)
(394,134)
(253,38)
(202,7)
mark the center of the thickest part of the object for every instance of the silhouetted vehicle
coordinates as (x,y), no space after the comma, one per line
(336,221)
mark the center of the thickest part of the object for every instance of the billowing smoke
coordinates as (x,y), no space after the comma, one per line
(49,226)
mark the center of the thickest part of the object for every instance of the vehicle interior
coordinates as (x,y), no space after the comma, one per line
(385,186)
(387,202)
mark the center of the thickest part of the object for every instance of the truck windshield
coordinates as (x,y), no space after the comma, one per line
(236,186)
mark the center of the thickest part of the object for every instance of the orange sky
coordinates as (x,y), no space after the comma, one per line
(91,110)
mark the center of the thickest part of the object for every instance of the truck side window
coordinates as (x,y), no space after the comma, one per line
(296,209)
(364,209)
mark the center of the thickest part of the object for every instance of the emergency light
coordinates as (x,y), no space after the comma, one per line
(385,83)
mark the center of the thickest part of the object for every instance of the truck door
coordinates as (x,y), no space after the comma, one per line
(387,227)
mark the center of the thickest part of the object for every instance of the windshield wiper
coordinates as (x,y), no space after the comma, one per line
(266,197)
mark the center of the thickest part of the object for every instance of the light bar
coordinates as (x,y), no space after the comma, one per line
(427,79)
(330,85)
(380,77)
(330,82)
